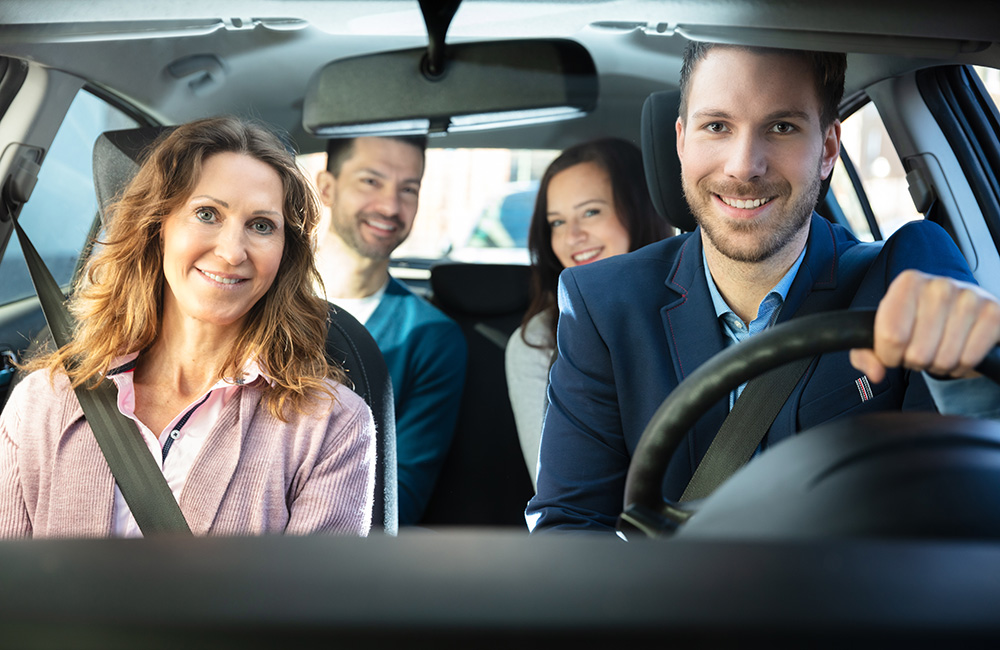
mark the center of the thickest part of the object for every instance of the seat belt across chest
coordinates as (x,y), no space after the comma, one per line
(139,478)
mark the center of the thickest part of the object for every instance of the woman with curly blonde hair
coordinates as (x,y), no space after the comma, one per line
(199,304)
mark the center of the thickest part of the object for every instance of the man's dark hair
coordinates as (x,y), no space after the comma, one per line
(340,149)
(829,70)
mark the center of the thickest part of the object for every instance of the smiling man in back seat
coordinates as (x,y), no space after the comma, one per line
(371,187)
(756,134)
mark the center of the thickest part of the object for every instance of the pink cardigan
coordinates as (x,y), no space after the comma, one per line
(254,475)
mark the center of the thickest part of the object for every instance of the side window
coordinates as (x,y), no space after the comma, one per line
(991,79)
(869,182)
(877,169)
(63,204)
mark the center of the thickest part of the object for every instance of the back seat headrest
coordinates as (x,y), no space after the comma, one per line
(659,158)
(117,156)
(484,289)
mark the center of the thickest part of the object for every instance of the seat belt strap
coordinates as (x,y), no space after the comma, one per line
(762,399)
(744,427)
(139,478)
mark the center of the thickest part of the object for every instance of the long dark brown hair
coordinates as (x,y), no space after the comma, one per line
(622,161)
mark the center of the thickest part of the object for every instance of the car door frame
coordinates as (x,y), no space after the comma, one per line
(36,105)
(922,146)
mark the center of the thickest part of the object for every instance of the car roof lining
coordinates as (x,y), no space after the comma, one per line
(636,54)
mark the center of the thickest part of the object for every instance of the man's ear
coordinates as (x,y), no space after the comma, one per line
(831,148)
(679,125)
(326,185)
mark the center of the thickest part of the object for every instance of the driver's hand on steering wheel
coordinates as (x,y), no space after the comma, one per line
(932,323)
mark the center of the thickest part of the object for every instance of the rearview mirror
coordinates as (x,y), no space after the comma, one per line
(483,85)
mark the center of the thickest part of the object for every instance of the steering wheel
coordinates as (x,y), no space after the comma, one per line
(646,511)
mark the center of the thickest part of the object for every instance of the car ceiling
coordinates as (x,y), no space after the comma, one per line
(184,59)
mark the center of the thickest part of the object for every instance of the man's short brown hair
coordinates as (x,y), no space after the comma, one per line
(339,150)
(829,70)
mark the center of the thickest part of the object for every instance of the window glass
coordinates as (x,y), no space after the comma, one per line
(991,79)
(475,204)
(63,204)
(843,189)
(866,141)
(883,178)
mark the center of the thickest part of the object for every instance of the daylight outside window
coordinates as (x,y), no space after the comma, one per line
(57,217)
(882,175)
(867,143)
(475,204)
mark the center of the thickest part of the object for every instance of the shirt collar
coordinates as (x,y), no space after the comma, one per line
(780,289)
(251,371)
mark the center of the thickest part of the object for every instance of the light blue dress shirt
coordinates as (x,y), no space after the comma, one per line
(767,312)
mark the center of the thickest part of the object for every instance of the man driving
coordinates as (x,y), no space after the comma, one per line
(757,133)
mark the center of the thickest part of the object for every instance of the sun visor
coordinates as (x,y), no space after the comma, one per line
(483,85)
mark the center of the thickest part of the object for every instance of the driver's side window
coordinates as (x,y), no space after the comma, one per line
(869,181)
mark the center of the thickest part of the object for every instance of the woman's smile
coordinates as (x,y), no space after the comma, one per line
(222,278)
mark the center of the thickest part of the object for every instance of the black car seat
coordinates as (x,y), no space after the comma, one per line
(659,158)
(484,480)
(663,168)
(116,160)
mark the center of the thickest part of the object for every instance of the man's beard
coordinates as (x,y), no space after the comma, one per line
(771,235)
(349,230)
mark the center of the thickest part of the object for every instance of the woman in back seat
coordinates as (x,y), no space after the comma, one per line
(200,306)
(592,204)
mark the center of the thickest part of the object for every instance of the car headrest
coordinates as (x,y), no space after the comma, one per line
(482,289)
(659,158)
(117,156)
(663,168)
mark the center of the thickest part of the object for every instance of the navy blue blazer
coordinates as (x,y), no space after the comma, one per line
(634,326)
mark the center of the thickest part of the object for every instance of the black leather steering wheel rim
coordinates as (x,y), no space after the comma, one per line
(645,508)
